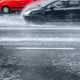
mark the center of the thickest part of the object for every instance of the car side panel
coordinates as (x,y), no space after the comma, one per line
(14,4)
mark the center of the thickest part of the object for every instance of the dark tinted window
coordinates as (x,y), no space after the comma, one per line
(72,3)
(65,3)
(58,4)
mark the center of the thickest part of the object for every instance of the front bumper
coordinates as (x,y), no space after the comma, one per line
(30,18)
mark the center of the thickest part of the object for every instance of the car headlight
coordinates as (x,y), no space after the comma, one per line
(26,13)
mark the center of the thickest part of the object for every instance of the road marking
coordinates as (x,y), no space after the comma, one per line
(22,48)
(56,39)
(42,28)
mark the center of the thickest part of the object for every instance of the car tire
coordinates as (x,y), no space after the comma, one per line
(6,10)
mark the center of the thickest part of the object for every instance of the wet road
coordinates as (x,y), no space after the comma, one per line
(57,43)
(17,33)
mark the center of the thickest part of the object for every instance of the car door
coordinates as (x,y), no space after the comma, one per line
(19,3)
(54,11)
(59,11)
(69,11)
(73,10)
(23,3)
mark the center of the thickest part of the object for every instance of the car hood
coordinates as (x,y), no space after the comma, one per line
(31,8)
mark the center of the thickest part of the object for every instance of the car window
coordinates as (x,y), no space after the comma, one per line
(50,6)
(58,4)
(74,3)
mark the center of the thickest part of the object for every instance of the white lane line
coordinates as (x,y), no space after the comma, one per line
(22,48)
(42,28)
(56,39)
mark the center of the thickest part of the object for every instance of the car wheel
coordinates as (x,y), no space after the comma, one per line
(5,10)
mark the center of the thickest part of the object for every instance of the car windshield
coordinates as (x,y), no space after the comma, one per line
(32,6)
(48,2)
(56,3)
(41,4)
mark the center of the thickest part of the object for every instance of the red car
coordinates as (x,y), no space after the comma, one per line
(7,6)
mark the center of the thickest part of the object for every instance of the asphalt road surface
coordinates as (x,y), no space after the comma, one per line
(56,43)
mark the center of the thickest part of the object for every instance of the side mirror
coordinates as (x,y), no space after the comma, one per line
(52,8)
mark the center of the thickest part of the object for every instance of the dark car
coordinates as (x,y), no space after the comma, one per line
(59,10)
